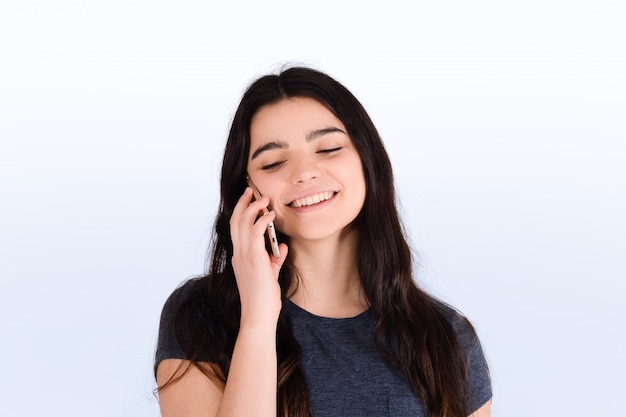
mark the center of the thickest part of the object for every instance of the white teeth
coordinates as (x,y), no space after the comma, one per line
(312,199)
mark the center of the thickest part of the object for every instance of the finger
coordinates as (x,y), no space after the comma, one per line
(262,222)
(260,205)
(246,212)
(249,232)
(236,233)
(255,237)
(254,211)
(241,206)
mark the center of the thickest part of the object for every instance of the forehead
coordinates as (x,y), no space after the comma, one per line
(291,118)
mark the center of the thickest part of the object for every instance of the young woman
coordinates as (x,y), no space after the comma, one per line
(335,325)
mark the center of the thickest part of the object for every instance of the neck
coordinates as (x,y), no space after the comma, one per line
(328,281)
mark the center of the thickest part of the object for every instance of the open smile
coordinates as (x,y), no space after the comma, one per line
(313,199)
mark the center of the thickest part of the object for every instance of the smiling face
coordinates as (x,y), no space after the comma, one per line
(302,158)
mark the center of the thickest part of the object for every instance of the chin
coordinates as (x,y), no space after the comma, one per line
(320,232)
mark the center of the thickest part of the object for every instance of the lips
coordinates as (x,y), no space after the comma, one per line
(312,199)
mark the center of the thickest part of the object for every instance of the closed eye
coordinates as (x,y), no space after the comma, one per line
(329,151)
(272,166)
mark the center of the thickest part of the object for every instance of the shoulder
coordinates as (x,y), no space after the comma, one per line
(479,379)
(464,330)
(187,303)
(189,290)
(184,302)
(462,326)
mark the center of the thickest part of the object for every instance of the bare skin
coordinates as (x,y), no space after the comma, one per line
(251,385)
(311,176)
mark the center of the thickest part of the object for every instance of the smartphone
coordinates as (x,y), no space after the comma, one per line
(271,229)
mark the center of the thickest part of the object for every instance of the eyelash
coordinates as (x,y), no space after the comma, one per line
(272,166)
(329,151)
(324,152)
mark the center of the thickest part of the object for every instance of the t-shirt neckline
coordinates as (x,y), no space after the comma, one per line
(294,307)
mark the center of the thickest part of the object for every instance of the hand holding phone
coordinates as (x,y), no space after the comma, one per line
(271,229)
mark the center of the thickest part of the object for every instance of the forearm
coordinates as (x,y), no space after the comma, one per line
(251,384)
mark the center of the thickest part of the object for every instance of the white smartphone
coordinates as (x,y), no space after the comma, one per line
(271,230)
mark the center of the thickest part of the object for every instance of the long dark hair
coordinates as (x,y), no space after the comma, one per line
(411,333)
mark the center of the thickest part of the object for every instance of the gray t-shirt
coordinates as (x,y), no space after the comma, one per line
(345,374)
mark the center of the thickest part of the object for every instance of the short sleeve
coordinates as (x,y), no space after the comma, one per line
(479,379)
(168,346)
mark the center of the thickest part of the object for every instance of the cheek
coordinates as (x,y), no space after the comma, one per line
(354,171)
(361,182)
(273,192)
(266,187)
(354,181)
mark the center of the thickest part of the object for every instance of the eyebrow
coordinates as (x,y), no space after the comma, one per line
(268,147)
(321,132)
(316,134)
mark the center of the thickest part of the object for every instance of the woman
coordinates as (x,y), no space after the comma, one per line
(334,325)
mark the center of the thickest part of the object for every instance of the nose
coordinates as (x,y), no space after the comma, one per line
(304,169)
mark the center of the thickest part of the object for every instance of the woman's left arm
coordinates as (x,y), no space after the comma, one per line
(484,411)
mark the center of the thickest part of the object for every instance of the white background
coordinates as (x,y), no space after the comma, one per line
(505,122)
